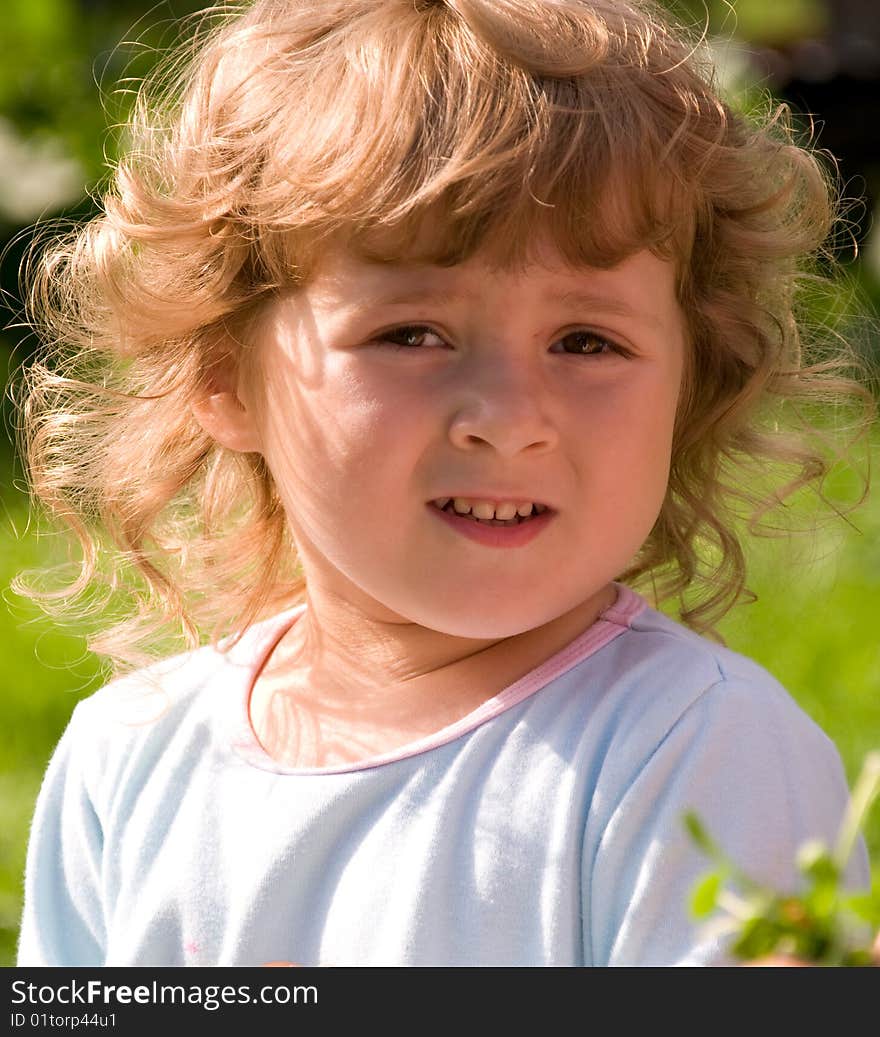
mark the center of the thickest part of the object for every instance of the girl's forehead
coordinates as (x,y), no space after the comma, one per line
(596,230)
(641,287)
(342,269)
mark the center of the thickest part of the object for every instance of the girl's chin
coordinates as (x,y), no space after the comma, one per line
(482,626)
(485,621)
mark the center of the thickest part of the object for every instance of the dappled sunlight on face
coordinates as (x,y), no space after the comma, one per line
(384,387)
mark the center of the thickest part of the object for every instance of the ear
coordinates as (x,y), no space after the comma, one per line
(227,420)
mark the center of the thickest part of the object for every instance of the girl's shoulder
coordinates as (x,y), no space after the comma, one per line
(657,650)
(661,677)
(670,643)
(192,694)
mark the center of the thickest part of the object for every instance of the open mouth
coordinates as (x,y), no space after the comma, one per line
(508,513)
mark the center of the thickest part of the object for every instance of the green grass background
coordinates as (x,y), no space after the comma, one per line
(816,626)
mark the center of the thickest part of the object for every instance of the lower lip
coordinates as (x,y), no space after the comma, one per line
(495,536)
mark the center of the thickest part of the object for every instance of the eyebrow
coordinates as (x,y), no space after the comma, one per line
(574,299)
(417,294)
(581,300)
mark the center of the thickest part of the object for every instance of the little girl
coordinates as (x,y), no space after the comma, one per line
(412,337)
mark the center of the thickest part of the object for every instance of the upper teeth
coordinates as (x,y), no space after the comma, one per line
(486,509)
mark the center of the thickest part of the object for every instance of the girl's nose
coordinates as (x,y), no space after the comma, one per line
(505,408)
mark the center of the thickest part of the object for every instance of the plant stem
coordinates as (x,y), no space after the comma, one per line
(864,793)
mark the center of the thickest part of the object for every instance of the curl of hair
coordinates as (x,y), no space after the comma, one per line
(292,123)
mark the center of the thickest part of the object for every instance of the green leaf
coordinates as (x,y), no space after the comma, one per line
(823,900)
(704,897)
(814,860)
(703,840)
(867,907)
(697,832)
(758,937)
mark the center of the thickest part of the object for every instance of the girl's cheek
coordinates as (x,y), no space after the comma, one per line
(375,413)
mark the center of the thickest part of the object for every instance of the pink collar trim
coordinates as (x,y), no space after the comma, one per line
(614,621)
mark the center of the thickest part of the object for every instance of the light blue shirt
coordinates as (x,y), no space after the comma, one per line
(544,829)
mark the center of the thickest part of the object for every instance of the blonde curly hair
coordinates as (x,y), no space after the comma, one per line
(290,124)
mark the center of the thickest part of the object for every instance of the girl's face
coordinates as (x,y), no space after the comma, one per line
(384,390)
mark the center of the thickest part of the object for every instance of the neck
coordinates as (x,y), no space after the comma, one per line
(344,659)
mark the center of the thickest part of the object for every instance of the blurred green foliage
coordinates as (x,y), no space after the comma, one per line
(758,21)
(67,68)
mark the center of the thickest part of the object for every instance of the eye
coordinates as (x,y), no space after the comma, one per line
(411,336)
(587,343)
